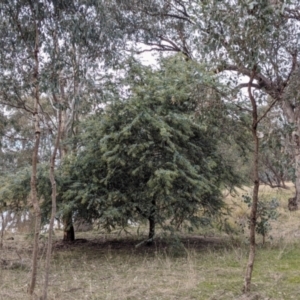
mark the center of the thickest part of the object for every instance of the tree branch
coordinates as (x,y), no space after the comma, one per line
(264,81)
(246,85)
(267,110)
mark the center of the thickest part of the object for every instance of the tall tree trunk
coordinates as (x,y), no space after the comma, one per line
(69,233)
(34,197)
(68,119)
(53,210)
(253,214)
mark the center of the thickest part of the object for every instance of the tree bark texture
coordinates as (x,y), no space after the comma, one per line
(53,209)
(67,123)
(69,233)
(152,224)
(34,196)
(253,214)
(296,143)
(151,228)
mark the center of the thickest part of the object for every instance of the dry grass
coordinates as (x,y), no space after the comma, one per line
(240,211)
(111,267)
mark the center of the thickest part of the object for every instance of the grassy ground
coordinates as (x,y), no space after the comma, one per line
(208,264)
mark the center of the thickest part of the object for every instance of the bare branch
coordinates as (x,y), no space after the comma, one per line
(15,138)
(246,85)
(264,81)
(293,68)
(293,13)
(267,110)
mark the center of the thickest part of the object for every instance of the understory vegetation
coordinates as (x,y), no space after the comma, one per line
(207,264)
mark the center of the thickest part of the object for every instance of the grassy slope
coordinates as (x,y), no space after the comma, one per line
(206,268)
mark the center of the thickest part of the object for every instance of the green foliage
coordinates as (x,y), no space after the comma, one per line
(15,190)
(148,156)
(266,211)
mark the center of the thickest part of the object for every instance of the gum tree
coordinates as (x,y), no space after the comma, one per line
(20,80)
(264,50)
(53,50)
(238,39)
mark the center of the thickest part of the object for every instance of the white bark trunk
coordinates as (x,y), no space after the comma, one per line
(53,211)
(34,195)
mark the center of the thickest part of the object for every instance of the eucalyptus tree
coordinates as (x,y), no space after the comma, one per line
(20,68)
(233,37)
(264,48)
(53,49)
(81,37)
(160,25)
(238,39)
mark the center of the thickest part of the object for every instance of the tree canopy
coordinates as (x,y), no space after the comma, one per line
(148,156)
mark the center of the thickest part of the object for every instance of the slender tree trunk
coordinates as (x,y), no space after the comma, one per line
(253,214)
(296,142)
(253,219)
(152,224)
(69,232)
(151,228)
(2,229)
(69,117)
(36,206)
(34,197)
(53,211)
